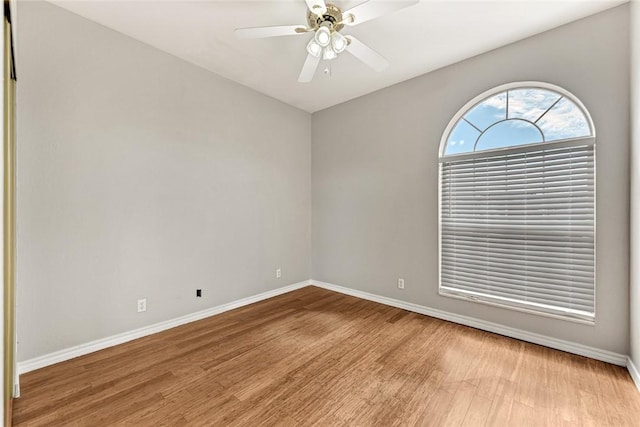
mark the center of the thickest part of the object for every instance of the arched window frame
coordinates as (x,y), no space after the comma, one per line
(503,88)
(559,143)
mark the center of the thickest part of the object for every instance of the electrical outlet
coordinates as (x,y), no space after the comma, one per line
(198,293)
(142,305)
(400,283)
(278,273)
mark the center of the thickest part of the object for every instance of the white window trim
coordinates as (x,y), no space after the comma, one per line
(515,306)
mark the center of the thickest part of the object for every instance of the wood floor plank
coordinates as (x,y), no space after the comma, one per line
(315,357)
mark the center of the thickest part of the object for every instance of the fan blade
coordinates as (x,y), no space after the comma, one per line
(309,69)
(373,9)
(318,7)
(365,54)
(261,32)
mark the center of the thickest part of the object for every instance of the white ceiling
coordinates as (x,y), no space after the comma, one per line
(415,40)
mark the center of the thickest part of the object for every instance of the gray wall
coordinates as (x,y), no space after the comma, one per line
(635,184)
(140,175)
(375,174)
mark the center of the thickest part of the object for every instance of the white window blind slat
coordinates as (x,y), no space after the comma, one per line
(515,246)
(530,153)
(522,288)
(546,198)
(524,255)
(501,172)
(519,229)
(534,274)
(523,178)
(540,294)
(516,261)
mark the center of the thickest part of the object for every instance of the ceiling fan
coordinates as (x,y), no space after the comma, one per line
(326,21)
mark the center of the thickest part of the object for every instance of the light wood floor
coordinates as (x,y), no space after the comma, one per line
(314,357)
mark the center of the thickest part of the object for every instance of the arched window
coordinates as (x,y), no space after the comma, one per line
(517,202)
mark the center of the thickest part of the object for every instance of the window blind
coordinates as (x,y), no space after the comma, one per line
(517,228)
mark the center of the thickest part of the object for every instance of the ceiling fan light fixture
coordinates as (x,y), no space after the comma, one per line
(329,53)
(314,48)
(325,21)
(323,36)
(338,42)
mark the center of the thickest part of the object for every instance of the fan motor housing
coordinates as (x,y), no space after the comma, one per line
(333,16)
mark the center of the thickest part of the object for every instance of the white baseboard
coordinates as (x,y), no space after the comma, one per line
(568,346)
(90,347)
(635,373)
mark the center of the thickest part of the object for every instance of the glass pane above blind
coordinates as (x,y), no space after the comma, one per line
(462,138)
(488,112)
(565,120)
(531,103)
(509,133)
